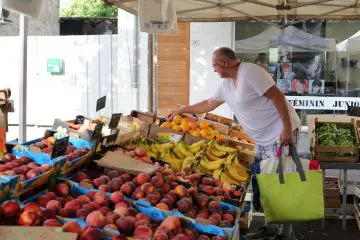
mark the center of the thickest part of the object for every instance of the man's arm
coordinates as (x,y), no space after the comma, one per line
(200,107)
(278,98)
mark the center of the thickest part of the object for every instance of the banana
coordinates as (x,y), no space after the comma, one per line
(151,154)
(230,158)
(225,178)
(217,173)
(211,165)
(234,174)
(178,153)
(188,162)
(183,150)
(224,148)
(196,145)
(200,169)
(236,163)
(164,146)
(194,150)
(212,157)
(215,152)
(175,163)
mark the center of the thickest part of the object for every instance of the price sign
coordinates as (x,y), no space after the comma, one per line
(60,146)
(115,119)
(97,132)
(100,103)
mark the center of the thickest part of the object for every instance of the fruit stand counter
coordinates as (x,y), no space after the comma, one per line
(345,167)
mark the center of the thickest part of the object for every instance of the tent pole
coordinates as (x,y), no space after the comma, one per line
(154,66)
(23,78)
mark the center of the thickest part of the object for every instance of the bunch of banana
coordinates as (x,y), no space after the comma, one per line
(234,172)
(169,157)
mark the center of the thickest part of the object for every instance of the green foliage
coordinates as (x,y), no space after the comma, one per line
(330,134)
(88,8)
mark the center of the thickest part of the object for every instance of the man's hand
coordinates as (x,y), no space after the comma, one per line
(173,112)
(286,136)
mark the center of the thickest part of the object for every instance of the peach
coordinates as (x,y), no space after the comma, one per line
(62,189)
(142,216)
(112,216)
(119,237)
(83,199)
(207,181)
(208,190)
(203,237)
(94,205)
(54,205)
(42,200)
(82,213)
(73,204)
(62,200)
(80,176)
(127,189)
(22,178)
(11,209)
(111,226)
(126,225)
(113,174)
(218,238)
(180,191)
(18,171)
(116,197)
(160,235)
(87,183)
(67,212)
(121,204)
(192,234)
(100,198)
(126,177)
(72,227)
(52,223)
(32,207)
(203,213)
(29,219)
(213,206)
(142,178)
(51,195)
(99,181)
(171,223)
(104,210)
(143,231)
(24,160)
(225,224)
(180,236)
(162,206)
(147,188)
(153,198)
(90,233)
(91,194)
(132,211)
(10,173)
(105,178)
(218,191)
(115,184)
(104,188)
(183,206)
(31,174)
(32,165)
(49,214)
(46,167)
(192,213)
(167,202)
(122,211)
(138,194)
(229,218)
(158,182)
(96,219)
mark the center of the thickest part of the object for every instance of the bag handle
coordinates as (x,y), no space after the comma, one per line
(296,159)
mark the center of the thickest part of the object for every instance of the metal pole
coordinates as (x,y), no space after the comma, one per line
(136,79)
(23,78)
(155,103)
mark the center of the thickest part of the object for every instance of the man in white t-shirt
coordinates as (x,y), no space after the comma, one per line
(261,109)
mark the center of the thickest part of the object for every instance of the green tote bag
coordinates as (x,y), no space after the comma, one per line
(292,197)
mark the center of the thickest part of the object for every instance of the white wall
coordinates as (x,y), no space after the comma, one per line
(204,39)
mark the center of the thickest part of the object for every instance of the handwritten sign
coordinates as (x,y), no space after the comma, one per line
(60,146)
(35,233)
(100,103)
(97,132)
(115,119)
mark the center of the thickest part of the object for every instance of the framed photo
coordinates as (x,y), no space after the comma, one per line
(284,85)
(285,70)
(316,86)
(284,54)
(300,86)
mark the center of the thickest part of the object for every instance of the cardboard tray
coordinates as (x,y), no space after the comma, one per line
(318,150)
(142,116)
(219,119)
(155,130)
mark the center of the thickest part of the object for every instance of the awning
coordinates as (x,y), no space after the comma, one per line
(231,10)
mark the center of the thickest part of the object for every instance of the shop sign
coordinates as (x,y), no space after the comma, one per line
(323,103)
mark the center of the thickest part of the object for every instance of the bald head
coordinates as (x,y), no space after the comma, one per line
(225,53)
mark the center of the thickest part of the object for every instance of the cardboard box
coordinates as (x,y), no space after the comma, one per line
(233,143)
(119,161)
(144,125)
(219,119)
(155,130)
(332,187)
(190,139)
(319,152)
(145,117)
(221,128)
(35,233)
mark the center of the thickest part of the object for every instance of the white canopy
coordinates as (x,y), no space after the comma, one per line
(350,44)
(290,36)
(230,10)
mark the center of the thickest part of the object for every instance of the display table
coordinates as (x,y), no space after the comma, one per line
(345,167)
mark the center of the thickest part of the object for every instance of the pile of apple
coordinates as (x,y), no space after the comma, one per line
(22,167)
(137,153)
(47,144)
(210,186)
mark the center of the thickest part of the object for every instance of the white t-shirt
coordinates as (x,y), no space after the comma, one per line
(256,113)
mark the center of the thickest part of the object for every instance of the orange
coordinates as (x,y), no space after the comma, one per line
(185,121)
(192,125)
(177,119)
(205,133)
(166,125)
(195,132)
(204,125)
(184,127)
(176,128)
(220,137)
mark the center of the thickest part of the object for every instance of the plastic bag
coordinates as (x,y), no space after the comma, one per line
(158,16)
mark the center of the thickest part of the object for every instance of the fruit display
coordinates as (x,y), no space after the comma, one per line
(46,145)
(137,153)
(23,167)
(203,129)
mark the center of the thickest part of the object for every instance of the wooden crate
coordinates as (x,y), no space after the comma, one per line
(319,151)
(221,128)
(240,136)
(145,117)
(219,119)
(332,187)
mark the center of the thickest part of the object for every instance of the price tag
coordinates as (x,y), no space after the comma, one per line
(60,146)
(115,119)
(97,132)
(100,103)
